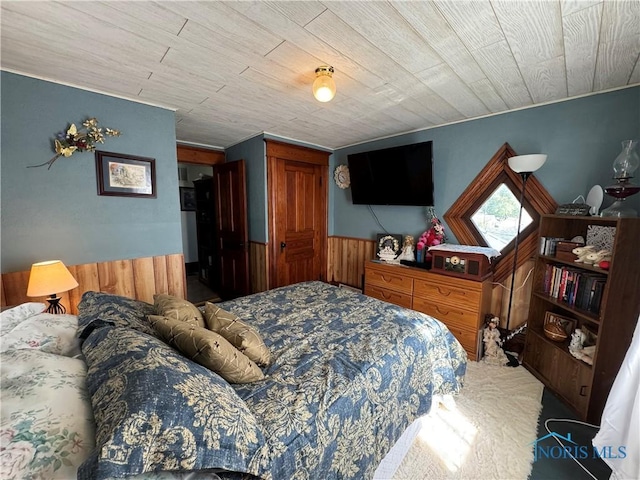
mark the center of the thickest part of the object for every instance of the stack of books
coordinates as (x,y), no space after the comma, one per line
(576,287)
(548,245)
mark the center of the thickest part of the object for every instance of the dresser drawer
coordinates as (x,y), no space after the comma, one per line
(389,280)
(465,296)
(468,339)
(386,295)
(453,316)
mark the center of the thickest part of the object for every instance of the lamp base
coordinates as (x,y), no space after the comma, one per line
(55,306)
(620,191)
(619,208)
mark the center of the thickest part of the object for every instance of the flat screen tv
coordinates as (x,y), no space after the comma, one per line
(393,176)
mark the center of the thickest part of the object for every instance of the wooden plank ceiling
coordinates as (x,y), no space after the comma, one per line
(235,69)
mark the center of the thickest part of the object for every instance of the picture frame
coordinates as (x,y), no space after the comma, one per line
(388,246)
(187,199)
(122,175)
(568,324)
(590,336)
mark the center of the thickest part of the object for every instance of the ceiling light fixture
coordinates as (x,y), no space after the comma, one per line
(324,87)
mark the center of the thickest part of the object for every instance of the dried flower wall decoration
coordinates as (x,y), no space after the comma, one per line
(79,140)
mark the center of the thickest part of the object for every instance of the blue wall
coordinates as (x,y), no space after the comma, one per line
(47,214)
(253,153)
(582,137)
(57,213)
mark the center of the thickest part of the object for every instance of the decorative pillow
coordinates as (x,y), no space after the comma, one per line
(208,348)
(97,309)
(178,309)
(46,332)
(156,410)
(242,336)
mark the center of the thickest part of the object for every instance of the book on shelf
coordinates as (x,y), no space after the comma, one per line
(573,286)
(548,245)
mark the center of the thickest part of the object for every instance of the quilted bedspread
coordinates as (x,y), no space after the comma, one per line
(350,374)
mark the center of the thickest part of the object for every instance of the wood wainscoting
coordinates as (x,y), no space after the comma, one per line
(138,278)
(258,266)
(346,258)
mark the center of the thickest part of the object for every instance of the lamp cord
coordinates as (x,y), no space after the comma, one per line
(525,176)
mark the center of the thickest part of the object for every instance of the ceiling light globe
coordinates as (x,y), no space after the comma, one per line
(324,87)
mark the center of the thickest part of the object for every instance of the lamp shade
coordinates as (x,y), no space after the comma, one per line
(49,278)
(324,87)
(527,163)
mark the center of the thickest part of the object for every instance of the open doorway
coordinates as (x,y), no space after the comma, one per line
(199,290)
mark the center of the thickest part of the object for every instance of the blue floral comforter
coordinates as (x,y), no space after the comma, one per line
(350,374)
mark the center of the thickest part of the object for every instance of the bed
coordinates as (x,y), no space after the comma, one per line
(100,395)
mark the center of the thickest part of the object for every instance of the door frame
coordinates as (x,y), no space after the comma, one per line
(199,156)
(275,152)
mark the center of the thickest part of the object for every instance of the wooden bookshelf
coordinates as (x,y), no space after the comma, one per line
(582,386)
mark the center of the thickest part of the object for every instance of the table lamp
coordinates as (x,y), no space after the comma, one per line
(49,278)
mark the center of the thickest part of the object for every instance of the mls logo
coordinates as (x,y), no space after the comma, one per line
(567,448)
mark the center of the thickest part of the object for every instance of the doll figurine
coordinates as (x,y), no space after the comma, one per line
(493,353)
(407,249)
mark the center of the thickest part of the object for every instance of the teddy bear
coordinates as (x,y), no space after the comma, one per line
(595,257)
(582,252)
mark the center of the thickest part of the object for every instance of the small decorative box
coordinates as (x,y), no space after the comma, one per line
(464,261)
(563,251)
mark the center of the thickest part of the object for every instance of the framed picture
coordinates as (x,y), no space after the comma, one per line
(590,336)
(388,246)
(567,324)
(125,175)
(187,199)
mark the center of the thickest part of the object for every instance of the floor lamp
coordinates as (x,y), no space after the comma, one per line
(523,165)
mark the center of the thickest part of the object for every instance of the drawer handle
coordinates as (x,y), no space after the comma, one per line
(387,280)
(446,292)
(583,391)
(385,295)
(446,312)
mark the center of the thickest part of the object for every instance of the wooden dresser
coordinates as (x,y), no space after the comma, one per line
(458,303)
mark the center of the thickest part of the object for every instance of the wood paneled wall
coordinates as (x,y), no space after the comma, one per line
(138,278)
(347,256)
(258,261)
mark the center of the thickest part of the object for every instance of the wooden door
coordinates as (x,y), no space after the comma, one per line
(297,213)
(231,228)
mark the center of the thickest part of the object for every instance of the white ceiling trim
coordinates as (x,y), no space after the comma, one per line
(86,89)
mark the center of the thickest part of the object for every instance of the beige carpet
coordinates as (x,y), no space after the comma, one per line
(486,434)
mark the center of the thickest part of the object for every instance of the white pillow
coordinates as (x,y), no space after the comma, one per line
(46,332)
(13,316)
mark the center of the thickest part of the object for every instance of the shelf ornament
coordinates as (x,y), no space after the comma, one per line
(78,140)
